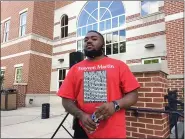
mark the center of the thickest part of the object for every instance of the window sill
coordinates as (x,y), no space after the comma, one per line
(14,39)
(149,15)
(20,84)
(146,16)
(61,39)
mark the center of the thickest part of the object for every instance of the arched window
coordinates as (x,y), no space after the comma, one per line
(64,26)
(106,17)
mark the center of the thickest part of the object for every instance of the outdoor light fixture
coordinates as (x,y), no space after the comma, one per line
(149,46)
(61,60)
(30,101)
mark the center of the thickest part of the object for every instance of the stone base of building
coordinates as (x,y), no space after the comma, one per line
(36,100)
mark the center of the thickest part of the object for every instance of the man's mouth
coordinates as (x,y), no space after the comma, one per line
(89,46)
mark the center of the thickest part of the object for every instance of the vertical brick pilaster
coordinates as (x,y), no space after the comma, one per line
(175,44)
(151,96)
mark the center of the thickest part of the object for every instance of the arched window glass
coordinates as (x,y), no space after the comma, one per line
(106,17)
(64,26)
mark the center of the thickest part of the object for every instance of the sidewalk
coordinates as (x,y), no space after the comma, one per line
(27,123)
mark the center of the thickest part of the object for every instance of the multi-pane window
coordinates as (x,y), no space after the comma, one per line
(61,76)
(18,74)
(6,31)
(151,61)
(64,26)
(22,27)
(80,45)
(106,17)
(149,7)
(115,42)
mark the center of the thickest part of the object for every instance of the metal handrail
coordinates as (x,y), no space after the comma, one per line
(155,111)
(170,112)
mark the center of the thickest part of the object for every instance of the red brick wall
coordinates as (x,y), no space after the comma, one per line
(175,44)
(13,12)
(172,7)
(10,69)
(132,17)
(60,4)
(16,48)
(41,47)
(151,95)
(39,75)
(43,18)
(39,19)
(177,84)
(36,69)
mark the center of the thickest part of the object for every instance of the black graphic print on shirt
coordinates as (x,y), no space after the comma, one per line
(95,86)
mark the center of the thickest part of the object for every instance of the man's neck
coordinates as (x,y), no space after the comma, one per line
(96,58)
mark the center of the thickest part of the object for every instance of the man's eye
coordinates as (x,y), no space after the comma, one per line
(85,40)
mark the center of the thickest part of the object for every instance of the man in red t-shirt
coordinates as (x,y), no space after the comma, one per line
(102,85)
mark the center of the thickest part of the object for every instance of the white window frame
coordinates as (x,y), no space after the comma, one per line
(64,26)
(143,60)
(119,28)
(22,25)
(15,80)
(58,81)
(6,31)
(149,6)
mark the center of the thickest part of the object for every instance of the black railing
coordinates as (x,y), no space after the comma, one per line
(171,109)
(173,114)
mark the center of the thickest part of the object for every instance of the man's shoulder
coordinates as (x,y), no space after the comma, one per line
(78,64)
(117,61)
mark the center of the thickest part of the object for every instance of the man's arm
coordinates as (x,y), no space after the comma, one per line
(107,109)
(86,120)
(71,107)
(128,100)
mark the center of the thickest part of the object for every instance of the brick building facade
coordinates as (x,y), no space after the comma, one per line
(154,53)
(26,47)
(162,27)
(153,48)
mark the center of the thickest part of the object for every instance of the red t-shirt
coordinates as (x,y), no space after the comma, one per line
(92,83)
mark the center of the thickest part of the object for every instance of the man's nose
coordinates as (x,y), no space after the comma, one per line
(89,41)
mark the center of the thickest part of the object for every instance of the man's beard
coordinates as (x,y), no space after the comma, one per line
(93,53)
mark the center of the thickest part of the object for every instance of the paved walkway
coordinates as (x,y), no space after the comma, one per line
(27,123)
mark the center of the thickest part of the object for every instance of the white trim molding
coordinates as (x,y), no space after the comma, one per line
(5,20)
(24,53)
(28,37)
(18,65)
(175,76)
(20,84)
(174,16)
(15,55)
(3,68)
(40,54)
(24,10)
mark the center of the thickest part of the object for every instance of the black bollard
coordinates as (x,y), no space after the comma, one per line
(45,111)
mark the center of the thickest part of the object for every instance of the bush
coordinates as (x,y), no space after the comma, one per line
(1,81)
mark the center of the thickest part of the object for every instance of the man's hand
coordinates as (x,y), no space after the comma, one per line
(88,123)
(105,111)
